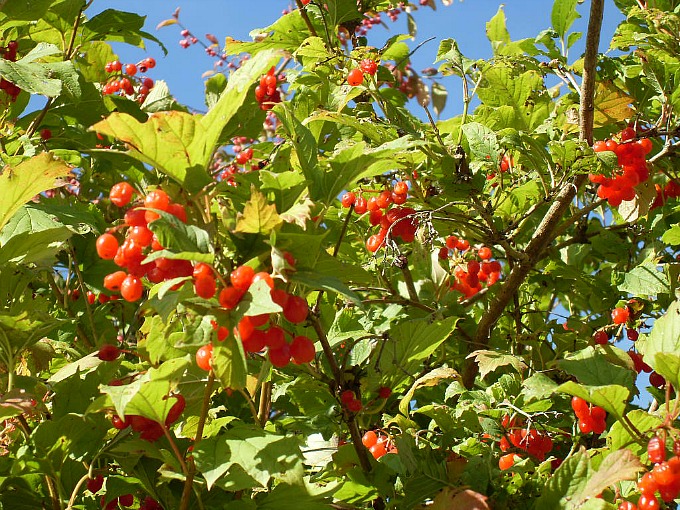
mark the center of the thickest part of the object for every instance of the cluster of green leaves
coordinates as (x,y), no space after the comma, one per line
(256,436)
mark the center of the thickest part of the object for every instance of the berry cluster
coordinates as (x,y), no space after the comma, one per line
(356,76)
(632,171)
(350,401)
(507,162)
(138,242)
(664,477)
(470,273)
(9,52)
(129,85)
(536,443)
(148,429)
(378,444)
(590,418)
(280,352)
(670,190)
(395,222)
(266,92)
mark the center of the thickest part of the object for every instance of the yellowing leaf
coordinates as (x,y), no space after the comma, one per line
(258,217)
(611,105)
(430,379)
(166,23)
(299,213)
(20,184)
(452,499)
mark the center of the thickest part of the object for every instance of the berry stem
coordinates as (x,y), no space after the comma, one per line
(191,466)
(303,13)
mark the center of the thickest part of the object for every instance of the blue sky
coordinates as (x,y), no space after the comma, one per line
(464,21)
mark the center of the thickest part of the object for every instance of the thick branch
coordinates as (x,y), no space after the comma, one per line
(545,232)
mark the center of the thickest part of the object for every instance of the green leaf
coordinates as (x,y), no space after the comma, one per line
(672,235)
(115,25)
(32,236)
(612,398)
(258,216)
(231,103)
(177,236)
(229,363)
(663,339)
(597,366)
(563,16)
(576,482)
(496,31)
(645,280)
(258,300)
(169,141)
(668,365)
(21,183)
(570,478)
(27,10)
(483,142)
(619,436)
(314,280)
(287,33)
(262,455)
(147,394)
(410,343)
(31,76)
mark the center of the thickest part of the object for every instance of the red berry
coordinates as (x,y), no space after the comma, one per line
(347,396)
(230,297)
(580,406)
(384,392)
(348,199)
(369,438)
(242,277)
(400,188)
(360,205)
(484,253)
(204,357)
(302,350)
(280,357)
(157,199)
(632,334)
(275,338)
(107,246)
(627,134)
(265,277)
(620,315)
(126,500)
(45,134)
(648,502)
(355,77)
(108,352)
(205,287)
(378,450)
(114,281)
(150,62)
(131,288)
(95,484)
(296,310)
(130,69)
(118,422)
(601,337)
(507,461)
(176,409)
(368,66)
(374,242)
(354,406)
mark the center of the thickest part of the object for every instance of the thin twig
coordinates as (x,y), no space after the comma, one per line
(544,233)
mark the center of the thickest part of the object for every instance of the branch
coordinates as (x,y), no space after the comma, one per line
(544,233)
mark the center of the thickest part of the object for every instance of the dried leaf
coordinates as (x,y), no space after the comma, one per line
(450,499)
(611,105)
(166,23)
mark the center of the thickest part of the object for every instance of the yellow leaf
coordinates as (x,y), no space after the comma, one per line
(611,105)
(258,217)
(166,23)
